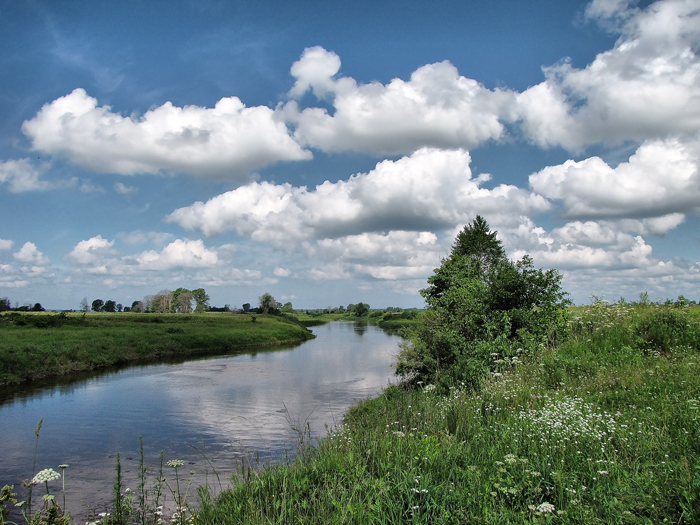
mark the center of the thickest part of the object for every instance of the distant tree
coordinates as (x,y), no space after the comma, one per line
(351,307)
(97,305)
(120,307)
(162,302)
(361,309)
(202,300)
(246,307)
(38,308)
(268,305)
(147,304)
(127,309)
(136,307)
(287,308)
(84,305)
(341,309)
(110,306)
(5,304)
(183,304)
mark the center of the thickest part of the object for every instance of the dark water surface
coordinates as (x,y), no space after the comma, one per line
(230,407)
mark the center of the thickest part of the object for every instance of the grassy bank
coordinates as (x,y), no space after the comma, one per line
(42,345)
(602,428)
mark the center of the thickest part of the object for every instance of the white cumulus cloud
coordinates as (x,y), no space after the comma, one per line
(430,190)
(226,141)
(29,254)
(437,107)
(661,179)
(645,88)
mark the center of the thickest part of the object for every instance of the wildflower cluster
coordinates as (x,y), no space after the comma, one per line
(565,418)
(44,476)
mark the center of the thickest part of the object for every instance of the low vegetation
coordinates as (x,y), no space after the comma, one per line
(34,346)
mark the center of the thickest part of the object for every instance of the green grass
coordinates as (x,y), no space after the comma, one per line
(37,346)
(604,428)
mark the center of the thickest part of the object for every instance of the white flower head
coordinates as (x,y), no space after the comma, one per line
(46,475)
(545,507)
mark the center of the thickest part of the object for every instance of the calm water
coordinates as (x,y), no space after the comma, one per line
(228,406)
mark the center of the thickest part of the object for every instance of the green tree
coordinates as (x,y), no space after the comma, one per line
(479,304)
(110,306)
(202,300)
(479,244)
(97,305)
(5,304)
(287,308)
(137,306)
(38,308)
(360,309)
(267,304)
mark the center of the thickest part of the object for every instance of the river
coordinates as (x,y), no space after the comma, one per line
(229,407)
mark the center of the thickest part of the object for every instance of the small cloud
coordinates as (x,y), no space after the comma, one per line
(89,187)
(29,254)
(123,189)
(142,237)
(6,244)
(282,272)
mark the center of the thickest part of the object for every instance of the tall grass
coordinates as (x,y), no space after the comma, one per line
(603,428)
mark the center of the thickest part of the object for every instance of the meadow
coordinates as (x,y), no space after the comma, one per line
(599,426)
(34,346)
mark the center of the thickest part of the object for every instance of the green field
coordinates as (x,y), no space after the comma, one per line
(599,427)
(35,346)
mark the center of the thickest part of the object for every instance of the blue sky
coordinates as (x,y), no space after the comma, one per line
(328,152)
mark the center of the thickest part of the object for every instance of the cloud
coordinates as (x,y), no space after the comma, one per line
(142,237)
(23,175)
(226,141)
(123,189)
(430,190)
(281,272)
(29,254)
(645,88)
(178,254)
(437,107)
(660,179)
(91,251)
(6,244)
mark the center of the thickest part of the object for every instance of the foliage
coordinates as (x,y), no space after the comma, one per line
(5,304)
(479,304)
(98,305)
(361,309)
(110,306)
(267,304)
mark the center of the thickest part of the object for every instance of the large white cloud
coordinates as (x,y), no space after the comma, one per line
(645,88)
(226,141)
(436,107)
(660,179)
(430,190)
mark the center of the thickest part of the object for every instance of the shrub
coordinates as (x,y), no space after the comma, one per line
(482,308)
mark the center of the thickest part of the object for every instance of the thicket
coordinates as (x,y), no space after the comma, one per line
(480,303)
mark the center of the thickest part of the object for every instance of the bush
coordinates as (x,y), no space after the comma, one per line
(482,308)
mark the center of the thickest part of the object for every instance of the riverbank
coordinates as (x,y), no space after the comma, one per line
(603,427)
(34,346)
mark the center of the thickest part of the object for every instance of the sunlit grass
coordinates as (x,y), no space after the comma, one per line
(602,429)
(40,346)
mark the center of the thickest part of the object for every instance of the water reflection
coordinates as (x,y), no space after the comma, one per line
(230,406)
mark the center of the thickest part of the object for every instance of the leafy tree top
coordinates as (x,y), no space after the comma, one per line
(479,244)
